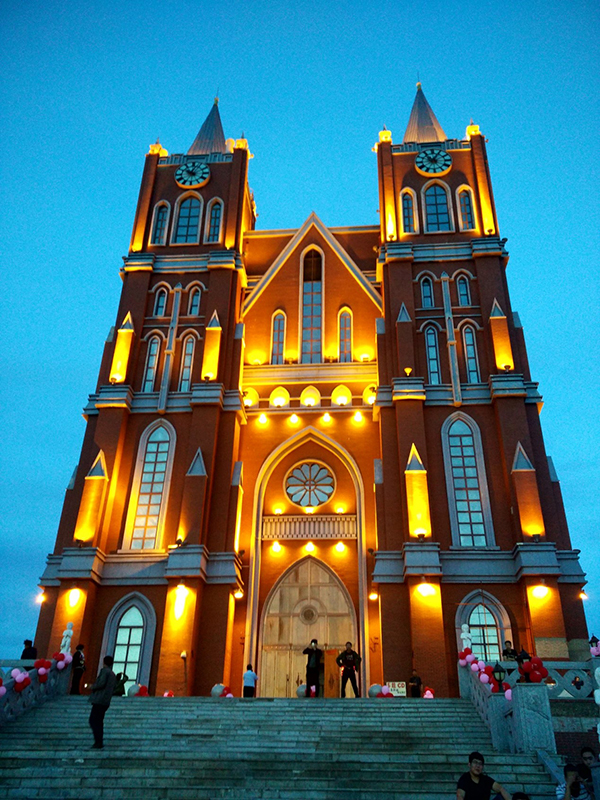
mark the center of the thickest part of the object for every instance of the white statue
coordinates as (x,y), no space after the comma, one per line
(65,645)
(466,636)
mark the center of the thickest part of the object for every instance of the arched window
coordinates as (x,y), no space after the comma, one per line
(151,364)
(188,219)
(278,339)
(433,356)
(464,293)
(437,212)
(486,643)
(159,229)
(312,297)
(345,335)
(150,490)
(427,293)
(467,218)
(186,364)
(471,362)
(213,224)
(408,212)
(160,303)
(466,483)
(194,304)
(128,645)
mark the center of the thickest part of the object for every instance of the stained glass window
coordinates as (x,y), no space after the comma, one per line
(151,492)
(345,336)
(466,482)
(427,293)
(187,221)
(151,364)
(160,303)
(486,636)
(194,306)
(436,209)
(160,224)
(311,308)
(464,295)
(433,356)
(214,225)
(471,354)
(466,210)
(278,339)
(408,213)
(310,485)
(186,364)
(128,645)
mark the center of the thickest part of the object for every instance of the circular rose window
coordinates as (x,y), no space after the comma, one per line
(310,484)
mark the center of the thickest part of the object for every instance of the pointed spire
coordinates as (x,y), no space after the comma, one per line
(423,125)
(211,138)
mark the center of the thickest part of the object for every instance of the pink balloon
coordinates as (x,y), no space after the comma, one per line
(481,664)
(463,662)
(2,691)
(508,694)
(16,671)
(42,671)
(385,689)
(474,668)
(20,678)
(471,658)
(428,695)
(484,677)
(60,665)
(68,658)
(229,695)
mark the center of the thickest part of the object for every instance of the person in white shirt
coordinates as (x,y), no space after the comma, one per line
(573,787)
(250,678)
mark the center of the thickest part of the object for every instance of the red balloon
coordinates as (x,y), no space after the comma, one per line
(380,694)
(505,686)
(521,671)
(390,695)
(47,664)
(462,654)
(467,651)
(543,672)
(43,678)
(39,663)
(495,688)
(55,656)
(18,687)
(489,670)
(536,662)
(535,677)
(527,666)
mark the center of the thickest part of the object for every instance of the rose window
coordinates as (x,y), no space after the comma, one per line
(310,485)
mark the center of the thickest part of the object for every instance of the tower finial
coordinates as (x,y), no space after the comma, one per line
(210,138)
(423,125)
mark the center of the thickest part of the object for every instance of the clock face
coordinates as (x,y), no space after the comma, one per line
(192,174)
(433,161)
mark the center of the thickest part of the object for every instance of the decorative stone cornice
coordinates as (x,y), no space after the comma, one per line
(509,384)
(408,389)
(138,262)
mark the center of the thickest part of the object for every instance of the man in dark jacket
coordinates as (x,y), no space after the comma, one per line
(349,660)
(102,692)
(30,652)
(78,669)
(313,667)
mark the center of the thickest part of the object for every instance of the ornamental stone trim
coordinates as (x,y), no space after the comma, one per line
(320,526)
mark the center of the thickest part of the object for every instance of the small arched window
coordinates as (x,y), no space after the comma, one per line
(194,304)
(427,293)
(187,360)
(464,293)
(471,361)
(188,219)
(151,364)
(312,298)
(345,336)
(467,217)
(433,356)
(160,303)
(213,233)
(408,212)
(278,339)
(151,492)
(159,230)
(128,645)
(486,635)
(437,212)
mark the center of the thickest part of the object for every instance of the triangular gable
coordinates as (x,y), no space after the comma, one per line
(403,315)
(414,463)
(351,266)
(496,310)
(197,467)
(98,468)
(127,324)
(521,462)
(215,323)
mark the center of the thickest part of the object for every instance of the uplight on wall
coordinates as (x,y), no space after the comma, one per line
(583,595)
(278,510)
(74,596)
(326,417)
(276,547)
(39,598)
(181,593)
(238,594)
(341,396)
(340,510)
(373,596)
(340,547)
(425,589)
(358,417)
(540,591)
(294,419)
(309,547)
(262,419)
(251,398)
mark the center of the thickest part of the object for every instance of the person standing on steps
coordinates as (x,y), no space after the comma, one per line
(349,660)
(415,684)
(313,667)
(102,692)
(78,668)
(29,652)
(249,679)
(475,785)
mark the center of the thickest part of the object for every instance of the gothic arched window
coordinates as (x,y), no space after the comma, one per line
(149,494)
(312,299)
(471,361)
(433,356)
(437,211)
(128,645)
(188,219)
(151,364)
(213,223)
(486,643)
(129,637)
(194,304)
(467,217)
(464,294)
(409,204)
(427,293)
(160,303)
(345,336)
(187,360)
(159,228)
(466,483)
(278,338)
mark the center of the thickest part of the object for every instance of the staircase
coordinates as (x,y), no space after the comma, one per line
(195,748)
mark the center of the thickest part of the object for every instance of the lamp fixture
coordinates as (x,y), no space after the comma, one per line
(425,589)
(541,590)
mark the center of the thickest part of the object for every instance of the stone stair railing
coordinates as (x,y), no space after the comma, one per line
(13,704)
(561,674)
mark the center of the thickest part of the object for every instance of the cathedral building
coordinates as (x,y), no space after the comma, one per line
(316,432)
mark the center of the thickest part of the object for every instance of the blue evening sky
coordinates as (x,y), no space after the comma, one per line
(88,86)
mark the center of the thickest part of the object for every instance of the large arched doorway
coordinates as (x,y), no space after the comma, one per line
(308,602)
